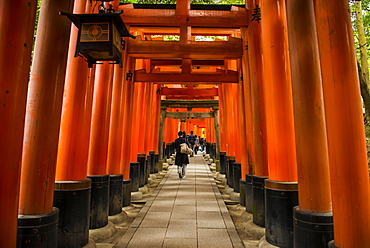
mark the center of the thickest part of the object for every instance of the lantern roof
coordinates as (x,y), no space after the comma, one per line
(114,17)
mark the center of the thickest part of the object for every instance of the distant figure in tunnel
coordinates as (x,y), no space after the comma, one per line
(191,140)
(182,159)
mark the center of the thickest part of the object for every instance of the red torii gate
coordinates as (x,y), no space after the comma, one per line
(293,122)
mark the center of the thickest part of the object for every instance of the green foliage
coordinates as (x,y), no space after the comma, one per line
(168,37)
(36,23)
(210,38)
(366,16)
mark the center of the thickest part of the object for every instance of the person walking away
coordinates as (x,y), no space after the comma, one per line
(182,159)
(196,145)
(191,140)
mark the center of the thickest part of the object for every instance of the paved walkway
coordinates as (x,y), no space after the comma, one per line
(188,212)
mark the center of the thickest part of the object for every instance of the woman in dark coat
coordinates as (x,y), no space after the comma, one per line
(182,159)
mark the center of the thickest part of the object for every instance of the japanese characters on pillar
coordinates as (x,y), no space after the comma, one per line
(127,102)
(257,91)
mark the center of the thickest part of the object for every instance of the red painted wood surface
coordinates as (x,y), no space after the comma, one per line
(344,122)
(44,105)
(16,36)
(282,163)
(73,145)
(310,127)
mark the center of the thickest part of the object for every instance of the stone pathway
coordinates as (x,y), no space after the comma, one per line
(188,212)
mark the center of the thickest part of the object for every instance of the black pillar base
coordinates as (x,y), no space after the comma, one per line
(147,167)
(280,199)
(213,151)
(223,162)
(242,186)
(172,149)
(134,176)
(230,168)
(312,229)
(237,175)
(208,148)
(99,201)
(141,159)
(72,198)
(38,231)
(165,153)
(248,193)
(258,207)
(156,161)
(115,194)
(160,164)
(126,193)
(151,161)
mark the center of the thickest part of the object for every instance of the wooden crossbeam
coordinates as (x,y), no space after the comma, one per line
(189,92)
(199,18)
(205,50)
(189,104)
(189,115)
(194,78)
(189,97)
(194,62)
(213,31)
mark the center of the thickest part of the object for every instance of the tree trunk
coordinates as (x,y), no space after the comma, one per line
(364,92)
(362,42)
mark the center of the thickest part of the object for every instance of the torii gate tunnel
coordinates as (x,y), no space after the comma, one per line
(276,89)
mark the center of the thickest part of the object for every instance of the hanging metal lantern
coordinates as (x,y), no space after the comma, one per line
(99,36)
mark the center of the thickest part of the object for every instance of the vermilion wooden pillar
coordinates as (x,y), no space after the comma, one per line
(115,130)
(100,120)
(127,111)
(234,115)
(148,118)
(127,100)
(182,125)
(247,103)
(115,143)
(242,138)
(212,137)
(98,146)
(223,123)
(247,93)
(258,113)
(142,106)
(313,218)
(281,188)
(44,103)
(257,94)
(136,139)
(344,122)
(167,130)
(242,129)
(227,117)
(156,108)
(16,34)
(72,188)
